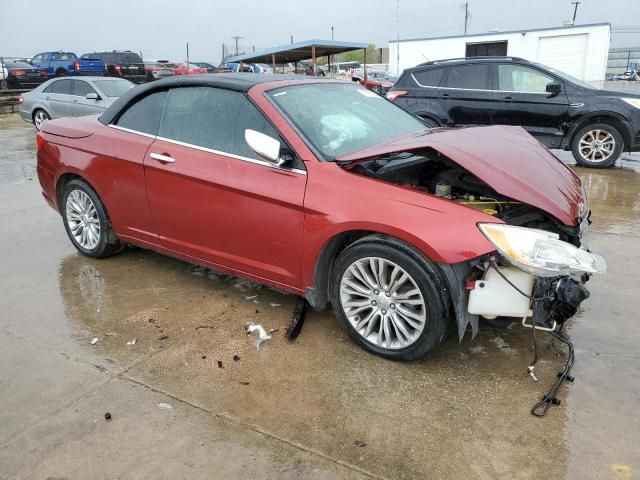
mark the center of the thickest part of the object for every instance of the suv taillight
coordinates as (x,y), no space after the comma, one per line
(76,66)
(117,68)
(20,100)
(393,94)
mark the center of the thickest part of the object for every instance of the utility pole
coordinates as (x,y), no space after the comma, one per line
(575,11)
(187,55)
(332,32)
(467,15)
(236,40)
(292,39)
(398,37)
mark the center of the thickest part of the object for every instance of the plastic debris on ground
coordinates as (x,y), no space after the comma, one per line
(260,336)
(94,341)
(276,304)
(165,406)
(132,342)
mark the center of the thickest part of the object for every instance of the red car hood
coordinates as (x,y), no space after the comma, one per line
(506,158)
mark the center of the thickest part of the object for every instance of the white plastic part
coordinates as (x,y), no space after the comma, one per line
(493,297)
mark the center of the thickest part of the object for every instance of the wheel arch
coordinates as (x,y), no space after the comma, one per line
(318,294)
(64,179)
(610,118)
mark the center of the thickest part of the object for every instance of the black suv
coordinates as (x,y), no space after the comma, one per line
(122,63)
(561,111)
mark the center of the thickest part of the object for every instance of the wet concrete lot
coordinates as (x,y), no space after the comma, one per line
(319,407)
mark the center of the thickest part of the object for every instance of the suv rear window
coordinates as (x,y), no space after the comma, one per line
(473,77)
(115,57)
(429,78)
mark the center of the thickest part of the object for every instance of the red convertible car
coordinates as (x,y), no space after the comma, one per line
(328,191)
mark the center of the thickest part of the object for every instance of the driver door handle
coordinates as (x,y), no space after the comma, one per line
(162,158)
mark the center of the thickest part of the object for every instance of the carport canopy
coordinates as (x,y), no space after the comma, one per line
(295,52)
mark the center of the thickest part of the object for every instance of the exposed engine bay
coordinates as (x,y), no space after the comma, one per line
(435,174)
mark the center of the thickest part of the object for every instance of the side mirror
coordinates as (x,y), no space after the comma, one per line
(554,88)
(264,146)
(92,96)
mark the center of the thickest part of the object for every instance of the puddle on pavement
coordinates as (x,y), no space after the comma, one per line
(17,150)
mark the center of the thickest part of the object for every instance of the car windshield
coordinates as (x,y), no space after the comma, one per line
(113,87)
(567,77)
(339,119)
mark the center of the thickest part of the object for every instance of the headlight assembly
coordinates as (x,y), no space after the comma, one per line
(540,252)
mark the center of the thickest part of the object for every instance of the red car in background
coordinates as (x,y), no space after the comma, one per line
(188,69)
(326,190)
(379,82)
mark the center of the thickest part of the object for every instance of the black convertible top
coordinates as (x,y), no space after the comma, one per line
(240,82)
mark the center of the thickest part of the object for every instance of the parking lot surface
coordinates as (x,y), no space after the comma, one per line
(318,407)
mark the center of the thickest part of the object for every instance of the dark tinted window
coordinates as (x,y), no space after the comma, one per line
(59,86)
(213,118)
(81,88)
(144,115)
(474,76)
(430,77)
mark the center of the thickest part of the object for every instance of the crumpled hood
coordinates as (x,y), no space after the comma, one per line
(506,158)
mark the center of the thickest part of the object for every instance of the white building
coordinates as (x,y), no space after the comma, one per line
(579,50)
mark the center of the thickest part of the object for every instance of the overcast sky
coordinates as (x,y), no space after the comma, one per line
(160,29)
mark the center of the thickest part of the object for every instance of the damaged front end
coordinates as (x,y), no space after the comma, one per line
(538,271)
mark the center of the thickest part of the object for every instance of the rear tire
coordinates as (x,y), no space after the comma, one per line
(597,145)
(398,320)
(4,85)
(86,221)
(39,117)
(61,73)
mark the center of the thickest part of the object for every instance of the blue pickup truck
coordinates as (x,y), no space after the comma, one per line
(62,64)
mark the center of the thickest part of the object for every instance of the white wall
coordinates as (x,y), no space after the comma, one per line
(525,45)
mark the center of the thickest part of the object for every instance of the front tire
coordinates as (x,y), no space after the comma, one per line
(86,221)
(598,145)
(389,299)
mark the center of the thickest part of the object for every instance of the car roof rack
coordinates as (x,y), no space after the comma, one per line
(460,59)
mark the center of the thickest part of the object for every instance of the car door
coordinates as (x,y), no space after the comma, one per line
(131,135)
(522,100)
(424,97)
(57,98)
(81,105)
(213,198)
(38,60)
(466,94)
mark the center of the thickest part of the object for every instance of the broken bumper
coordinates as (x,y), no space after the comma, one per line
(510,292)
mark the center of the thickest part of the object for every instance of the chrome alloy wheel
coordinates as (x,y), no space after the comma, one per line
(39,118)
(82,218)
(596,146)
(382,303)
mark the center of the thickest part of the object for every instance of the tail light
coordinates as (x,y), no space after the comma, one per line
(43,73)
(76,66)
(39,141)
(393,94)
(20,100)
(17,73)
(117,68)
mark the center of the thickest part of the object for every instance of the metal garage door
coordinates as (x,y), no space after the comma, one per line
(567,53)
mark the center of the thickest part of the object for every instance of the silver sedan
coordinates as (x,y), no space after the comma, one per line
(70,97)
